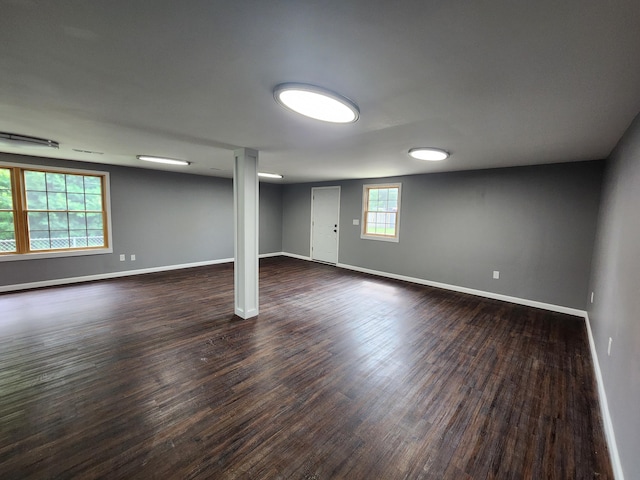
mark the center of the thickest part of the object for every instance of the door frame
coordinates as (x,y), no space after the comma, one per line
(313,189)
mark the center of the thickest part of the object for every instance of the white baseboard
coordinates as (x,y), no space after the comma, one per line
(105,276)
(123,273)
(295,255)
(470,291)
(272,254)
(604,407)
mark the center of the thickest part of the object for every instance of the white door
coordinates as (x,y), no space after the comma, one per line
(325,212)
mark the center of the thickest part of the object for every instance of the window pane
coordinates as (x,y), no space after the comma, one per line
(77,221)
(56,182)
(373,194)
(59,240)
(92,185)
(94,202)
(35,181)
(39,240)
(58,221)
(5,179)
(75,184)
(7,232)
(6,201)
(392,206)
(7,242)
(94,221)
(78,238)
(96,239)
(6,221)
(75,201)
(56,201)
(36,200)
(38,221)
(384,194)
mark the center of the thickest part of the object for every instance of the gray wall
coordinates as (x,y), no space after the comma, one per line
(615,282)
(296,219)
(163,218)
(270,218)
(536,225)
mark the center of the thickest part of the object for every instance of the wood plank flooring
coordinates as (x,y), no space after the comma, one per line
(343,375)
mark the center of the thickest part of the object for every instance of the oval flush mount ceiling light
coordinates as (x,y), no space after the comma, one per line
(316,102)
(167,161)
(428,153)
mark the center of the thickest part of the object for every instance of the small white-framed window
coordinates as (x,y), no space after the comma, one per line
(52,212)
(381,211)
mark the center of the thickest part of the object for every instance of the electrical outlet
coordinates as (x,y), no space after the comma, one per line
(591,297)
(122,257)
(496,274)
(133,257)
(356,221)
(609,347)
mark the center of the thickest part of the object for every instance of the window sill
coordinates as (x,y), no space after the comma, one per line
(38,256)
(379,238)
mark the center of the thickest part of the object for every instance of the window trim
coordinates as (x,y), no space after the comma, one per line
(8,257)
(370,236)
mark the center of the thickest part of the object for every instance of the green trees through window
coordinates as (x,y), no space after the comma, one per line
(60,210)
(7,222)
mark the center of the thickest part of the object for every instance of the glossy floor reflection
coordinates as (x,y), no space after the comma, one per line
(343,375)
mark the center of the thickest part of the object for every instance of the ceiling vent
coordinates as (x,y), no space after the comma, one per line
(16,140)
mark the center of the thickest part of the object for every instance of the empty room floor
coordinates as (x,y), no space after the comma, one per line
(342,375)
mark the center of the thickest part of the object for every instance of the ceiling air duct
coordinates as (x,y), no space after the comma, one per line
(16,140)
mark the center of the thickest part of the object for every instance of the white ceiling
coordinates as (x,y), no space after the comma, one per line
(497,83)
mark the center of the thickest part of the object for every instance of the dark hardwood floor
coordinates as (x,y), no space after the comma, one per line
(342,375)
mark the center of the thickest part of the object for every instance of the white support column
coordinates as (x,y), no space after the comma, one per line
(245,205)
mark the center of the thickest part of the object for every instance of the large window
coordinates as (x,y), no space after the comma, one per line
(52,211)
(381,212)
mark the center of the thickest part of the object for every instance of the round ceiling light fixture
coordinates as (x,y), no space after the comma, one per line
(316,102)
(17,140)
(429,154)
